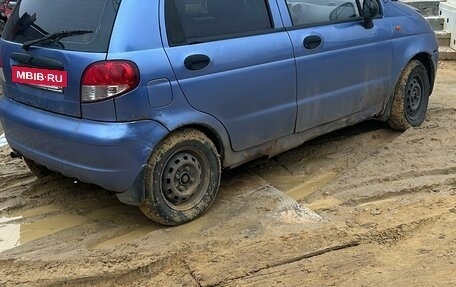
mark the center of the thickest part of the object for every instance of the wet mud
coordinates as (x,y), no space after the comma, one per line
(363,206)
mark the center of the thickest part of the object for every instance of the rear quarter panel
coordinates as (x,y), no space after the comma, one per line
(136,37)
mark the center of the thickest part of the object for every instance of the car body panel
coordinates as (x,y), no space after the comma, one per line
(67,102)
(261,94)
(268,97)
(108,154)
(409,28)
(341,77)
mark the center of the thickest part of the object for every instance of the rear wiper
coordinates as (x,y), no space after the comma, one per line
(54,37)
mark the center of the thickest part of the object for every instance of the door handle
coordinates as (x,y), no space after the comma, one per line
(312,42)
(196,62)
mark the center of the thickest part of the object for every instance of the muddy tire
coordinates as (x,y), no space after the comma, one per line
(182,178)
(411,97)
(37,170)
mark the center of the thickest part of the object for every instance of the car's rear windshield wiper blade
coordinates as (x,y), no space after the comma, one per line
(54,37)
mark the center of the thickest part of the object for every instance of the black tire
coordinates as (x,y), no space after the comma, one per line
(411,97)
(182,178)
(37,170)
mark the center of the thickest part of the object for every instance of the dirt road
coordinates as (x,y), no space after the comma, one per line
(365,206)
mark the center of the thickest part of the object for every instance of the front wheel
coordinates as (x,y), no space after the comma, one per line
(411,97)
(182,178)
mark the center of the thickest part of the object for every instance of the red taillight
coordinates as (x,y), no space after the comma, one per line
(108,79)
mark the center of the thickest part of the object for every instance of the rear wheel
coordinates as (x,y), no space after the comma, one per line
(411,97)
(182,178)
(37,170)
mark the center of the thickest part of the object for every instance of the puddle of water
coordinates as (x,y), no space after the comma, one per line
(285,182)
(42,210)
(49,226)
(296,186)
(324,203)
(194,227)
(125,238)
(379,202)
(311,184)
(94,204)
(15,234)
(3,140)
(279,177)
(9,234)
(21,227)
(119,215)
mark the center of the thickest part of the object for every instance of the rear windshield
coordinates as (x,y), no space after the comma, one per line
(35,19)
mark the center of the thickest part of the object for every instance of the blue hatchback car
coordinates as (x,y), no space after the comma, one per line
(152,99)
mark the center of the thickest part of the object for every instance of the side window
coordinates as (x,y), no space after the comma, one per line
(190,21)
(314,12)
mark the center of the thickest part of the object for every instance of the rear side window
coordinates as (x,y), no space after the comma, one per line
(35,19)
(193,21)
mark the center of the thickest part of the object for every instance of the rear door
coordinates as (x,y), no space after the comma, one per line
(234,61)
(35,19)
(343,69)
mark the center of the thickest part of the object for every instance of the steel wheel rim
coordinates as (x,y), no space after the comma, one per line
(414,97)
(185,178)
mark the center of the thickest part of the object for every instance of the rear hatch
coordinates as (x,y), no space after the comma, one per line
(47,45)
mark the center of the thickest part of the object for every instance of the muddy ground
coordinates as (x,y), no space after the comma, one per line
(364,206)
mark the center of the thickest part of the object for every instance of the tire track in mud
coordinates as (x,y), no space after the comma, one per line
(176,268)
(302,266)
(36,209)
(264,267)
(55,273)
(371,196)
(388,236)
(304,171)
(10,179)
(51,246)
(399,188)
(343,268)
(118,269)
(396,168)
(448,171)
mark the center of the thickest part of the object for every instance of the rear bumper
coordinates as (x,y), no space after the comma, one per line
(111,155)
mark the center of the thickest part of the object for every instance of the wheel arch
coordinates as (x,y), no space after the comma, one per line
(210,133)
(426,60)
(411,97)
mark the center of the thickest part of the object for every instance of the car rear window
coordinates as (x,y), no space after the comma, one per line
(35,19)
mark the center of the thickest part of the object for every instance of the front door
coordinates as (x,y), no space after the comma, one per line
(343,68)
(234,61)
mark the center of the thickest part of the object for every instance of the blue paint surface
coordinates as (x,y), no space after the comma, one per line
(260,94)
